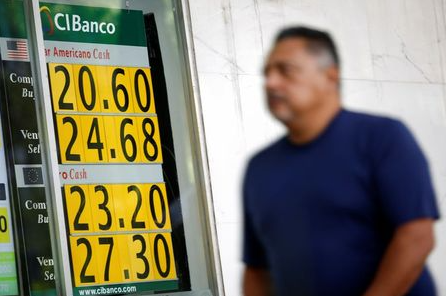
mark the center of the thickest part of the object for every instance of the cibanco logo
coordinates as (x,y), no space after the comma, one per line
(47,20)
(72,22)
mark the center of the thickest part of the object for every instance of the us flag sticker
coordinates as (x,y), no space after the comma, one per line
(17,49)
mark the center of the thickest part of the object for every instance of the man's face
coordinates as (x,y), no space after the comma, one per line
(295,80)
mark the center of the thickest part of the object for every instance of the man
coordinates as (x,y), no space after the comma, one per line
(343,204)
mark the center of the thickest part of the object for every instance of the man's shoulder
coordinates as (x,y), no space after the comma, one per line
(270,151)
(379,133)
(371,120)
(375,125)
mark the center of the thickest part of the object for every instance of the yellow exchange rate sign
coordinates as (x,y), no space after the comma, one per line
(118,233)
(102,114)
(125,226)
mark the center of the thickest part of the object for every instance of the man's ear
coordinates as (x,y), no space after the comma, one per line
(333,74)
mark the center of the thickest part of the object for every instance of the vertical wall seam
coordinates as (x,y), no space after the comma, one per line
(259,23)
(234,71)
(441,23)
(369,39)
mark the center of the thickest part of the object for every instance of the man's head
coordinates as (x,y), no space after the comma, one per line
(301,73)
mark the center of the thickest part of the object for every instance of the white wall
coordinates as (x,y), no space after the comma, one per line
(394,62)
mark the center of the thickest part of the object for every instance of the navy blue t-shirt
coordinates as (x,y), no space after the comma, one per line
(320,216)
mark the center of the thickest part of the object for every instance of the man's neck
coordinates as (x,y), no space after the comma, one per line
(310,125)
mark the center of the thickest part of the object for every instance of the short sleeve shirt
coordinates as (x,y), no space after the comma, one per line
(320,216)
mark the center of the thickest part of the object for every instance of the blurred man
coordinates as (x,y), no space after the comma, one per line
(343,204)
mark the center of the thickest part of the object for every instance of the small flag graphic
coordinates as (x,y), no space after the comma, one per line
(32,176)
(17,49)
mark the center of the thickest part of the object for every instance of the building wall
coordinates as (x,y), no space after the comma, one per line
(394,62)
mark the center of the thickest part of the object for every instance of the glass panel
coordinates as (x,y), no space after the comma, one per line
(22,184)
(8,273)
(119,103)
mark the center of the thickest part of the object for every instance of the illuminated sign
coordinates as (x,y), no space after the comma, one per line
(92,24)
(106,114)
(116,205)
(75,24)
(125,91)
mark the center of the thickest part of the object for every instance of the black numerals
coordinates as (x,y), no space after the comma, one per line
(136,224)
(68,155)
(84,70)
(107,241)
(141,74)
(86,278)
(141,255)
(160,242)
(155,192)
(63,105)
(94,132)
(3,224)
(119,88)
(149,140)
(103,206)
(127,138)
(77,225)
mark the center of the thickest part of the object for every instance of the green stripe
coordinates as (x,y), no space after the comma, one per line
(168,285)
(7,256)
(7,262)
(9,287)
(13,278)
(49,292)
